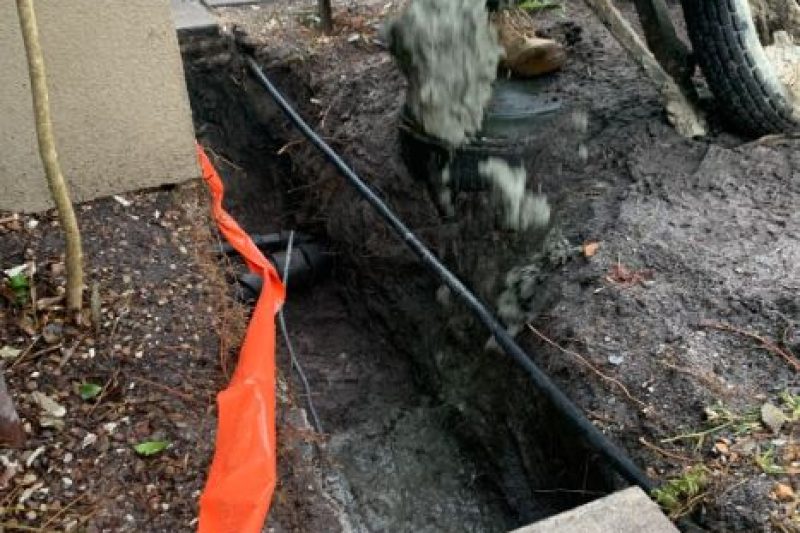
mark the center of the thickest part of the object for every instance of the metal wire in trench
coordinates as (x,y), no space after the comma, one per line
(290,347)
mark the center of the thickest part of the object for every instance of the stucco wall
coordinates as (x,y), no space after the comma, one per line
(118,98)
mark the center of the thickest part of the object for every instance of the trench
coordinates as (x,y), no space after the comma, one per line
(425,430)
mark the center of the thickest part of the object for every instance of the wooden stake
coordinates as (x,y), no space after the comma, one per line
(326,16)
(47,150)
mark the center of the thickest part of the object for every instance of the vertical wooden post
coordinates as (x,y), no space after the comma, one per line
(47,150)
(326,16)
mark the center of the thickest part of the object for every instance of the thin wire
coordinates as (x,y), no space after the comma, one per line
(287,340)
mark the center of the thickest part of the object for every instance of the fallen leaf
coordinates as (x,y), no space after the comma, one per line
(783,493)
(89,390)
(9,352)
(772,417)
(48,405)
(590,249)
(721,448)
(622,275)
(151,447)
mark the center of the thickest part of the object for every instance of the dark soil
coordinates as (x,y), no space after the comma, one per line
(695,237)
(156,356)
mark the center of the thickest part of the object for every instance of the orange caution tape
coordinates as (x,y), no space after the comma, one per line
(243,473)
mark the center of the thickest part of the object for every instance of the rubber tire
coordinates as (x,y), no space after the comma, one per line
(727,47)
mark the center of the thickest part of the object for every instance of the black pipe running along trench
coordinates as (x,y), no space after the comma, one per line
(593,436)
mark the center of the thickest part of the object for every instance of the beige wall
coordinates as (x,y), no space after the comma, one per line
(118,97)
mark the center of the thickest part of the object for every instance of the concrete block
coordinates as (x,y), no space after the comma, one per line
(231,3)
(627,511)
(118,97)
(191,15)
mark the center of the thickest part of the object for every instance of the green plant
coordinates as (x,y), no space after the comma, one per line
(719,417)
(88,391)
(679,495)
(20,285)
(536,5)
(766,462)
(792,402)
(151,447)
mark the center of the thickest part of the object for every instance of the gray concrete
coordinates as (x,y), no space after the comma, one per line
(627,511)
(191,15)
(230,3)
(118,97)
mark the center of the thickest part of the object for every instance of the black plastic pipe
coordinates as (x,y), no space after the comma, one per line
(592,436)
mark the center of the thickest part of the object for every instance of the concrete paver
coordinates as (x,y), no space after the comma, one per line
(230,3)
(191,15)
(626,511)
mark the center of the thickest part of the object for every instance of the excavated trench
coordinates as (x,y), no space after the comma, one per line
(424,426)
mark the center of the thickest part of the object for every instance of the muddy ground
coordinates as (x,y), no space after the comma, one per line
(150,371)
(671,337)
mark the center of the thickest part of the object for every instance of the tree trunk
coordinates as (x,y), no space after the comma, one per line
(326,16)
(47,150)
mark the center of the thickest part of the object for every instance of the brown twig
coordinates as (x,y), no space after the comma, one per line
(165,388)
(222,158)
(62,511)
(70,352)
(766,343)
(698,375)
(26,351)
(19,527)
(41,352)
(592,367)
(666,453)
(103,392)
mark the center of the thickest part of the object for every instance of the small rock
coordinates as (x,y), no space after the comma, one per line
(616,360)
(353,37)
(89,440)
(772,417)
(48,405)
(53,332)
(122,201)
(783,493)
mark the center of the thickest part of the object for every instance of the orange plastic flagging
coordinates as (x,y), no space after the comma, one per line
(243,473)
